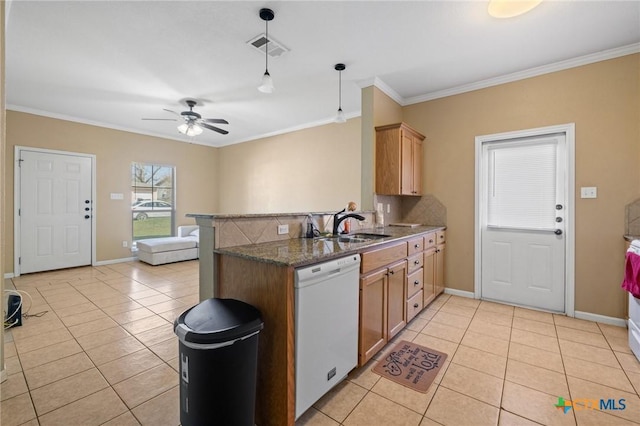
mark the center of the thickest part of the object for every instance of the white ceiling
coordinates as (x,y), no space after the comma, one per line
(112,63)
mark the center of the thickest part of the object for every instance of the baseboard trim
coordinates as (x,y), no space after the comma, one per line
(9,275)
(461,293)
(112,261)
(601,318)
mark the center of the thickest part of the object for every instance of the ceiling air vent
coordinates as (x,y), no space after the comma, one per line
(276,49)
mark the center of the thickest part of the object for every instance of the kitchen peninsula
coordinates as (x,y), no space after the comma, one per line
(262,274)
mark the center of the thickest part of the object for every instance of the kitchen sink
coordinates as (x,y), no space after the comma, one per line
(360,237)
(369,236)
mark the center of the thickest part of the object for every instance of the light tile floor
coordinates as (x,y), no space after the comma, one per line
(105,353)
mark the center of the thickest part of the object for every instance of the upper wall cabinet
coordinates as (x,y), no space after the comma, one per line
(398,160)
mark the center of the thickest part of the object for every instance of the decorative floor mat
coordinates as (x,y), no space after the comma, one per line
(411,365)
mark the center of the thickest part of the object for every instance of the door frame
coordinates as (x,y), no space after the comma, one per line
(17,201)
(569,214)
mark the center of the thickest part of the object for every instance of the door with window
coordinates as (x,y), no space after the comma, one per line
(523,201)
(54,210)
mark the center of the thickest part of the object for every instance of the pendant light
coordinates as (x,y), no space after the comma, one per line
(340,118)
(267,83)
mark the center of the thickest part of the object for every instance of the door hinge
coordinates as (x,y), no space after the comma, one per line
(19,212)
(19,261)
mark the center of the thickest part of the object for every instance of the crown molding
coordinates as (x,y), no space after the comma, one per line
(532,72)
(384,87)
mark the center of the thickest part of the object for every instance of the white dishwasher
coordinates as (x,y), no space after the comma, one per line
(326,316)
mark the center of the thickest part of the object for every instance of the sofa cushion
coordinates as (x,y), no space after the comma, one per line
(157,245)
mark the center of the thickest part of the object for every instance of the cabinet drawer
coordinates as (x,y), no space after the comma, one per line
(414,262)
(414,306)
(415,282)
(382,257)
(440,237)
(416,245)
(430,240)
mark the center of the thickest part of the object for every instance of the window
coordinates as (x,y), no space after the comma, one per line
(152,200)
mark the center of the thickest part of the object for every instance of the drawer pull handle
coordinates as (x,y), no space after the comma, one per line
(416,282)
(430,241)
(391,272)
(416,262)
(416,246)
(415,305)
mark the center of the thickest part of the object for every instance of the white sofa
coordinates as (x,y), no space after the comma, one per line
(158,251)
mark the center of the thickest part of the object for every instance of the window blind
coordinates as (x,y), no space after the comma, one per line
(522,185)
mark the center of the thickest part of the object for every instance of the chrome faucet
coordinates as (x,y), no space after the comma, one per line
(337,219)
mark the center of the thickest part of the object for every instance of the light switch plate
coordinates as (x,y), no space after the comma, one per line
(588,192)
(117,196)
(283,229)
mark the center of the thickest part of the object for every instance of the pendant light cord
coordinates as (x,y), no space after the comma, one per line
(266,47)
(340,91)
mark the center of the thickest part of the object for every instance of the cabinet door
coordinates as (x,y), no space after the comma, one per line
(416,156)
(373,315)
(396,316)
(428,285)
(406,165)
(439,280)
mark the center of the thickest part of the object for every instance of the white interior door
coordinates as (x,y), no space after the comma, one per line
(55,210)
(523,205)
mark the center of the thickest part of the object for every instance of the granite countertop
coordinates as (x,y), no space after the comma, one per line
(305,251)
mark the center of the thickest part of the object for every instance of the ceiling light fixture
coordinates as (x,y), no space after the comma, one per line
(340,118)
(267,83)
(190,129)
(510,8)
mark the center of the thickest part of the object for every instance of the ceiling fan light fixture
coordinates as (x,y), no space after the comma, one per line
(267,82)
(190,129)
(340,118)
(510,8)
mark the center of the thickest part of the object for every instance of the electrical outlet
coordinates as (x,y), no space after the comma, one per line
(388,208)
(283,229)
(125,244)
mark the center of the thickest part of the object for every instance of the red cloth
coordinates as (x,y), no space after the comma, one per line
(631,281)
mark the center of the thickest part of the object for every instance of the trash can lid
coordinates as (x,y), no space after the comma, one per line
(218,321)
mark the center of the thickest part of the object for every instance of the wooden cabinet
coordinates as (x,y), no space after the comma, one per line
(373,315)
(433,266)
(382,298)
(396,318)
(439,262)
(398,160)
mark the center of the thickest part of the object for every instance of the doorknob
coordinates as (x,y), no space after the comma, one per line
(558,232)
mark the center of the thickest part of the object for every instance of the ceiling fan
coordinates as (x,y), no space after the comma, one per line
(193,122)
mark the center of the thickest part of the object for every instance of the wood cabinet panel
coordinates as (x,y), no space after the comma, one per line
(428,287)
(381,257)
(414,262)
(415,282)
(439,274)
(373,315)
(414,305)
(430,240)
(415,245)
(396,319)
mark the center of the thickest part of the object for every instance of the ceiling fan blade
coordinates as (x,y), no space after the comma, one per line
(215,129)
(215,120)
(172,112)
(160,119)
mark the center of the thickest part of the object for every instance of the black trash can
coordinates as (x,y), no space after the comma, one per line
(218,362)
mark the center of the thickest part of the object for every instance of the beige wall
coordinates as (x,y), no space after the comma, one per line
(603,100)
(316,169)
(115,150)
